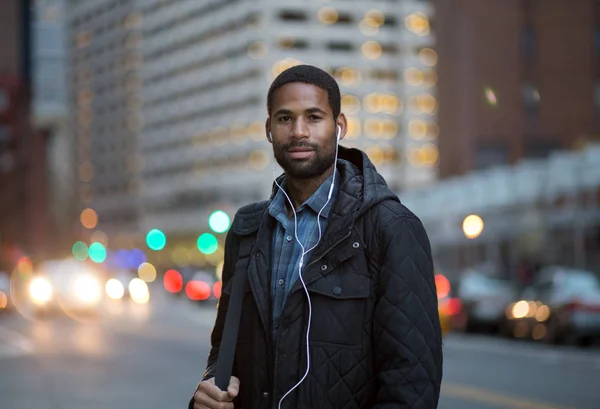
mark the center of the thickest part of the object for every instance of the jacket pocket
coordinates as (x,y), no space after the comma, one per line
(339,302)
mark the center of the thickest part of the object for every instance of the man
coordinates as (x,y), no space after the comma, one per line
(371,321)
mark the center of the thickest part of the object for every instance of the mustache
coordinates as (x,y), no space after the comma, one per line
(295,145)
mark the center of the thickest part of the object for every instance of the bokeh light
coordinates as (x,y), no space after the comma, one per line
(97,252)
(197,290)
(490,96)
(89,218)
(114,289)
(327,15)
(219,221)
(472,226)
(147,272)
(371,50)
(207,243)
(173,281)
(156,239)
(428,56)
(80,251)
(418,23)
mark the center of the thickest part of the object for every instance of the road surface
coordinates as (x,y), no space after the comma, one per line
(151,356)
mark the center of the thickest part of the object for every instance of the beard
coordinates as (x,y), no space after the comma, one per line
(317,165)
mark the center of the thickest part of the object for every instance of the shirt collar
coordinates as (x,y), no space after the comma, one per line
(315,202)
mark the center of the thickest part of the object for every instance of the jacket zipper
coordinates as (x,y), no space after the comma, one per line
(330,248)
(277,343)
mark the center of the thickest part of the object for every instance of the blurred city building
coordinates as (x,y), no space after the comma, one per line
(51,118)
(207,66)
(104,84)
(22,151)
(518,79)
(540,211)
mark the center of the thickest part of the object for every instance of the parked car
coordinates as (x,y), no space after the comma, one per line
(449,306)
(203,287)
(6,302)
(484,301)
(562,305)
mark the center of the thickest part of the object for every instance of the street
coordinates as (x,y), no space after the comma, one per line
(151,356)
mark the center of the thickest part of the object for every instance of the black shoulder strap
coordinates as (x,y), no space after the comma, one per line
(234,310)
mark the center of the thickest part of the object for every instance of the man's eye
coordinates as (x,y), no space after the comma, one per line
(284,118)
(314,117)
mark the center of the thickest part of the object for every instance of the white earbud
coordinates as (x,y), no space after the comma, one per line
(270,137)
(339,132)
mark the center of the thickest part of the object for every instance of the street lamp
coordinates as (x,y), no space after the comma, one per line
(472,226)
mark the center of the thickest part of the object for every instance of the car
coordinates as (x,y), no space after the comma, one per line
(6,301)
(484,300)
(68,286)
(449,307)
(561,305)
(123,285)
(203,287)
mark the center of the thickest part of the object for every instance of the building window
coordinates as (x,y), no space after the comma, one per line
(528,41)
(344,18)
(531,99)
(292,15)
(292,43)
(537,148)
(340,46)
(490,154)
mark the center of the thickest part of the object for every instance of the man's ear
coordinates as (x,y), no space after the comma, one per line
(342,122)
(268,130)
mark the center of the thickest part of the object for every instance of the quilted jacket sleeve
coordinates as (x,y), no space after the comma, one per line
(407,335)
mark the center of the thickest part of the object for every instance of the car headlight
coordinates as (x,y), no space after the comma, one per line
(115,289)
(87,288)
(138,290)
(40,290)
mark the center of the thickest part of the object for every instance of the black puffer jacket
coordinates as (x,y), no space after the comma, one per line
(375,338)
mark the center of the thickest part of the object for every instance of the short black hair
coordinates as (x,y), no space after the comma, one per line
(308,75)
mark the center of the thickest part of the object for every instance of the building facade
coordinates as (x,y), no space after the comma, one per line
(518,79)
(207,66)
(23,216)
(104,84)
(51,119)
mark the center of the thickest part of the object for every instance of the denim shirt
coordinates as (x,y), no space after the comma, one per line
(286,251)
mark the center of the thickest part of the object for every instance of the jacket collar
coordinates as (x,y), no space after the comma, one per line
(361,187)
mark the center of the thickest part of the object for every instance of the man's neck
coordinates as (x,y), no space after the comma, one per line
(301,189)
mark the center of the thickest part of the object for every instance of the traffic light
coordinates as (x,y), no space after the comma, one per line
(207,243)
(97,252)
(156,240)
(80,251)
(219,221)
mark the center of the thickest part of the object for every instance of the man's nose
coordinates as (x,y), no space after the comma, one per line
(300,129)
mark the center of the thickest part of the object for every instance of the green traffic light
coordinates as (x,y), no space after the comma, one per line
(156,240)
(219,221)
(80,251)
(97,252)
(207,243)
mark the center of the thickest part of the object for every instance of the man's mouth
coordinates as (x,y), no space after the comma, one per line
(300,153)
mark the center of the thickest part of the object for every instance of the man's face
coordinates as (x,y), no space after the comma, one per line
(303,130)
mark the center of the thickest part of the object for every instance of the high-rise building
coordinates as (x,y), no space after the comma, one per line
(104,38)
(207,66)
(518,78)
(51,119)
(22,151)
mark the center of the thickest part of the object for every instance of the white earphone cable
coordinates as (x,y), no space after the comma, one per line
(304,252)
